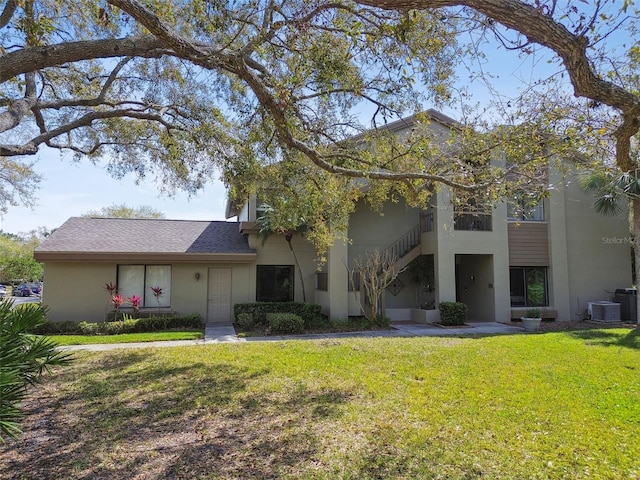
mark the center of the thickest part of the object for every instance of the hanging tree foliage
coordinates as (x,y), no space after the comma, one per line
(183,90)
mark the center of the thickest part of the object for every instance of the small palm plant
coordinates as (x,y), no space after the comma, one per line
(157,292)
(533,313)
(24,358)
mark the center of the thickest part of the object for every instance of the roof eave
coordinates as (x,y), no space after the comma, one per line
(141,257)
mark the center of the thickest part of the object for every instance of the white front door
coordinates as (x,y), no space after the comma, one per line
(219,298)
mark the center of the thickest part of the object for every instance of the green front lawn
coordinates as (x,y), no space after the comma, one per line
(127,337)
(546,406)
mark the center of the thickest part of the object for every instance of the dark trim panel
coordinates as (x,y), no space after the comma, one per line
(137,257)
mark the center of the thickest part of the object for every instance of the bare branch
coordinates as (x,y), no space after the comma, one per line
(31,147)
(8,12)
(11,117)
(542,29)
(36,58)
(153,23)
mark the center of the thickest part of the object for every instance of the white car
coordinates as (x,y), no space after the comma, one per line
(3,291)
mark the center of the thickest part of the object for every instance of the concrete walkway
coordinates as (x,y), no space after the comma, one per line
(227,334)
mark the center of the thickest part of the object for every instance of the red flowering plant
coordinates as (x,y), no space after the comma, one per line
(117,300)
(135,303)
(157,292)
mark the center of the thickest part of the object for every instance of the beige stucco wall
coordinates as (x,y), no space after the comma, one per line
(337,303)
(485,255)
(75,291)
(189,295)
(371,230)
(598,251)
(275,251)
(489,293)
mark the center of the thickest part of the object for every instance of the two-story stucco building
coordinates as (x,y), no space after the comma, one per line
(558,255)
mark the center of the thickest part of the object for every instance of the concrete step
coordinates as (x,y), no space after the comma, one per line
(214,332)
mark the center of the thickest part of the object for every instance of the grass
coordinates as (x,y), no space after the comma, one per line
(553,405)
(127,337)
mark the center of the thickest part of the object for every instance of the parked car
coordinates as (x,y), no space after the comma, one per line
(35,288)
(22,290)
(3,291)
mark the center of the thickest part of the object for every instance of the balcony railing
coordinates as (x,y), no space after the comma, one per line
(405,244)
(472,221)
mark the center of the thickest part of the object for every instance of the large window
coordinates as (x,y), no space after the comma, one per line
(524,208)
(140,279)
(274,283)
(528,286)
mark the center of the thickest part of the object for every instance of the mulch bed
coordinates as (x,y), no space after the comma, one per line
(556,326)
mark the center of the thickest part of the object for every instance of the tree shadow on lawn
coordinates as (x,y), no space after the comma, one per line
(137,417)
(606,338)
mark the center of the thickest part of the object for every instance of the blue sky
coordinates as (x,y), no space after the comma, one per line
(72,189)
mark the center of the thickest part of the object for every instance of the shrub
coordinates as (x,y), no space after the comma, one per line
(318,322)
(245,321)
(153,323)
(167,322)
(286,323)
(453,313)
(128,325)
(533,313)
(185,321)
(57,328)
(381,321)
(258,310)
(119,316)
(86,328)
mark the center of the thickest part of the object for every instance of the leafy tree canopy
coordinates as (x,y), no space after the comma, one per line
(16,258)
(184,89)
(124,211)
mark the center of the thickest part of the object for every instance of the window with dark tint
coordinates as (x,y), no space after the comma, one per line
(274,283)
(528,286)
(526,209)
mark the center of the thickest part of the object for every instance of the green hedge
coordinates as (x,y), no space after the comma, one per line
(120,315)
(285,323)
(127,325)
(245,321)
(453,313)
(310,313)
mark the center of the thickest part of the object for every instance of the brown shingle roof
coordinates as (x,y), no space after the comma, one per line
(82,236)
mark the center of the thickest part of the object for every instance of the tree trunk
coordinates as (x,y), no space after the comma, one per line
(288,237)
(635,205)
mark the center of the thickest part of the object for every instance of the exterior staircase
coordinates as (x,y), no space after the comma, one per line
(407,248)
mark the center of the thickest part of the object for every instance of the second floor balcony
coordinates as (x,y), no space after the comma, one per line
(472,221)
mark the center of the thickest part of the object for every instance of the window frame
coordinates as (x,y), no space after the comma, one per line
(522,208)
(525,286)
(147,298)
(263,296)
